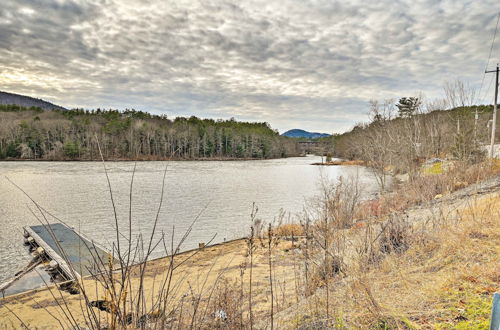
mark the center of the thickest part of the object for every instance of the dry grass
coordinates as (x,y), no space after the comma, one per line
(289,229)
(443,280)
(426,188)
(220,272)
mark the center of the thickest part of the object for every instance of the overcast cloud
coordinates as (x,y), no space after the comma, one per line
(308,64)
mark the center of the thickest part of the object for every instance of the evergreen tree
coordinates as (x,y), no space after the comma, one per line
(408,106)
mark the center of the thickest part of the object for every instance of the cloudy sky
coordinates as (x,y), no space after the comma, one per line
(311,64)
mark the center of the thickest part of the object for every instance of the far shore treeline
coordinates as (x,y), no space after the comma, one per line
(34,133)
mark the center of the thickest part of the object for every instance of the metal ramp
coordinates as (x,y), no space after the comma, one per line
(76,255)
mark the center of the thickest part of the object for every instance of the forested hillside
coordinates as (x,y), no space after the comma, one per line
(26,101)
(400,140)
(33,133)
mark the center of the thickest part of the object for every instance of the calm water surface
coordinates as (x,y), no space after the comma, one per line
(222,192)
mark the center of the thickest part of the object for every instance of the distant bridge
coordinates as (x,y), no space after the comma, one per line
(313,147)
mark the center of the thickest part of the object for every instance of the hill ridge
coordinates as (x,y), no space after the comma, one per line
(7,98)
(300,133)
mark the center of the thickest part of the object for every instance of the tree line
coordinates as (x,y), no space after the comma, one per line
(401,135)
(34,133)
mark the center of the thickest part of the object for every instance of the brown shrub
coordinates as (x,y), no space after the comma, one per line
(289,229)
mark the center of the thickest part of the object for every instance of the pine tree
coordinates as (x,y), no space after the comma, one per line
(408,106)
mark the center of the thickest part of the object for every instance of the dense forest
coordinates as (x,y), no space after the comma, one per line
(34,133)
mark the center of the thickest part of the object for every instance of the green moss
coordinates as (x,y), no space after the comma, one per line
(339,322)
(477,312)
(469,310)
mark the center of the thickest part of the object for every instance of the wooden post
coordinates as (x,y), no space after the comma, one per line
(65,267)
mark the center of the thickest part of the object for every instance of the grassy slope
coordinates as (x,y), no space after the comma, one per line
(444,281)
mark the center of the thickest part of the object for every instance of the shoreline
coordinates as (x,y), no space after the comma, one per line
(180,254)
(221,159)
(206,263)
(341,162)
(197,263)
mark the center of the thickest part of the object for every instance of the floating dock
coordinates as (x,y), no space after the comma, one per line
(75,255)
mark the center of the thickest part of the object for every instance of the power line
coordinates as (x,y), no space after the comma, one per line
(489,56)
(486,91)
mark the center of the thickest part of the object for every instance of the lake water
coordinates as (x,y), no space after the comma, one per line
(222,192)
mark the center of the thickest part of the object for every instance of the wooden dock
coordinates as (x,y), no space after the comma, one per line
(76,255)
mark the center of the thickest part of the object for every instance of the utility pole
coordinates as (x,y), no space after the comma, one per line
(476,117)
(494,122)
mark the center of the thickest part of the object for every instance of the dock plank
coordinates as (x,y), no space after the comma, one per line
(79,253)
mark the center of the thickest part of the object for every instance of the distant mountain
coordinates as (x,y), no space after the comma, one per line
(300,133)
(26,101)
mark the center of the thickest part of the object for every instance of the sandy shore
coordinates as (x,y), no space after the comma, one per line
(200,271)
